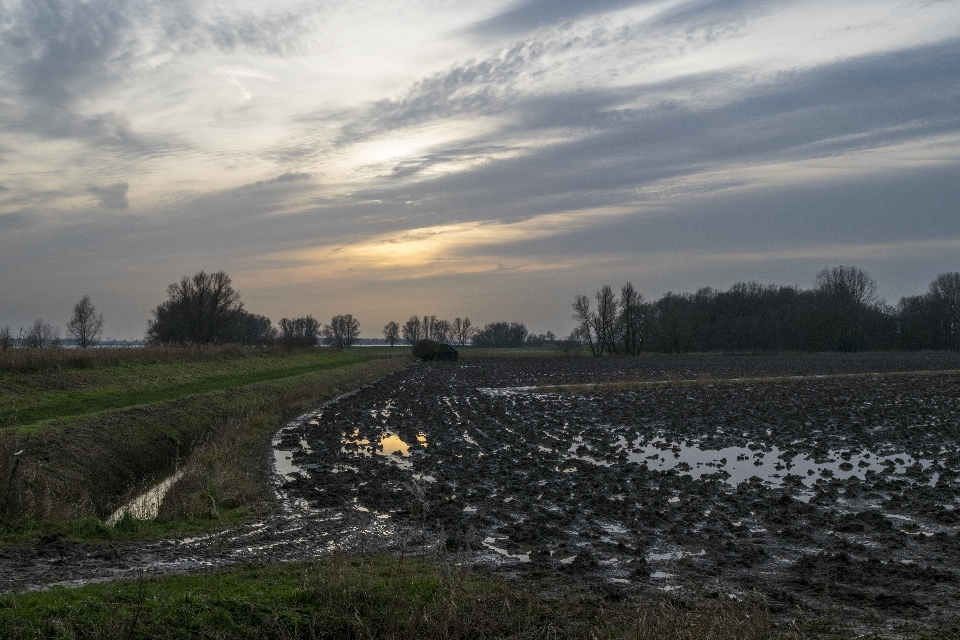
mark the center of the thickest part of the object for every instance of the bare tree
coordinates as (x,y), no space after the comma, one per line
(413,330)
(631,319)
(846,295)
(945,301)
(847,284)
(6,340)
(199,310)
(343,330)
(391,332)
(442,331)
(605,320)
(429,328)
(85,326)
(462,331)
(41,334)
(585,319)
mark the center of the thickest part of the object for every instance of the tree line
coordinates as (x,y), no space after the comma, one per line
(206,309)
(841,312)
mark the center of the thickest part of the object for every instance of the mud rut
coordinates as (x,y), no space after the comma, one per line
(836,496)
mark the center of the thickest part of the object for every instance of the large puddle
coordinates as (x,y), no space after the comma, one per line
(736,465)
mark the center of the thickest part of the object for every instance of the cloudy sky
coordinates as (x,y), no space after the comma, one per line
(490,158)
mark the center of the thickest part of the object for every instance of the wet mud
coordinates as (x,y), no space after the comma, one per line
(835,496)
(831,496)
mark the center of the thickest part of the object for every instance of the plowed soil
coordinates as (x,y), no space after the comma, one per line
(828,483)
(827,493)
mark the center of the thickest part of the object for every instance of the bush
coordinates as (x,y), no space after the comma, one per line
(431,350)
(425,349)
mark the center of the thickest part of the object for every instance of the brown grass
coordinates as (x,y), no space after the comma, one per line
(25,360)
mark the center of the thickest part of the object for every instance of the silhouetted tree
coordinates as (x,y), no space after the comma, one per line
(443,331)
(342,331)
(541,339)
(631,321)
(931,320)
(391,332)
(199,310)
(299,332)
(676,321)
(412,330)
(85,326)
(501,334)
(41,334)
(6,340)
(617,326)
(462,331)
(845,297)
(252,329)
(944,301)
(585,324)
(605,320)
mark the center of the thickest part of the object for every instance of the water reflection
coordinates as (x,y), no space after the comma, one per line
(736,465)
(146,506)
(390,444)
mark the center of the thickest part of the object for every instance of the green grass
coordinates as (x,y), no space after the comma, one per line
(26,399)
(360,597)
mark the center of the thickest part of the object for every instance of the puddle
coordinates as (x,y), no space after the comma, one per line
(146,505)
(674,555)
(504,391)
(490,543)
(390,444)
(736,465)
(285,466)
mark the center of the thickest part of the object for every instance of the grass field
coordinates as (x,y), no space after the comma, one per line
(95,431)
(28,398)
(362,597)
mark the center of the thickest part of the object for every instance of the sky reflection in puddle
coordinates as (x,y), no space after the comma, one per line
(736,465)
(389,445)
(146,506)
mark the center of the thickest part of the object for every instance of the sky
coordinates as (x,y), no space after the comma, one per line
(490,159)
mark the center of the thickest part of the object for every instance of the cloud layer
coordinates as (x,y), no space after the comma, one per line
(381,159)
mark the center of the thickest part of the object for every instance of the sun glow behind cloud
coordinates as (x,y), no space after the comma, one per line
(430,251)
(420,140)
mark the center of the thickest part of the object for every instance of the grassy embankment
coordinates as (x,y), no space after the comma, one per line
(362,597)
(95,429)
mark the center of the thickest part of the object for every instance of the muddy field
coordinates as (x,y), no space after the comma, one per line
(832,496)
(831,491)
